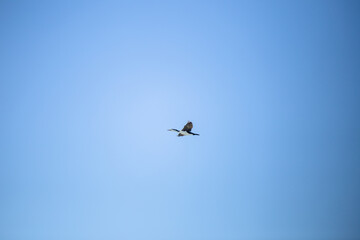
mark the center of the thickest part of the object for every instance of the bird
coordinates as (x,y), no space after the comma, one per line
(186,131)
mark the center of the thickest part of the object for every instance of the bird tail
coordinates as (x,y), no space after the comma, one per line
(195,134)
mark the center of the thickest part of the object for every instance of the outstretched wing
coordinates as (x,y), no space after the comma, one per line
(188,127)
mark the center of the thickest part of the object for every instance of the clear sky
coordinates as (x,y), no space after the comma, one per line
(88,90)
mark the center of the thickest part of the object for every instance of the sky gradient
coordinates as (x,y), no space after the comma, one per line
(88,90)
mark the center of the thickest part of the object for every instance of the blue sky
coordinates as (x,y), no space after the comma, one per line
(88,90)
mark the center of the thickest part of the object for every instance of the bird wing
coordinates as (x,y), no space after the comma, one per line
(188,127)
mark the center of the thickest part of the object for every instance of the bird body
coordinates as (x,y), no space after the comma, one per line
(186,131)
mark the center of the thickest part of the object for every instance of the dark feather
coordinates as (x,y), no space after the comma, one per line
(188,127)
(173,129)
(193,133)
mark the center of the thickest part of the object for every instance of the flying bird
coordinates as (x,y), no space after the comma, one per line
(185,131)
